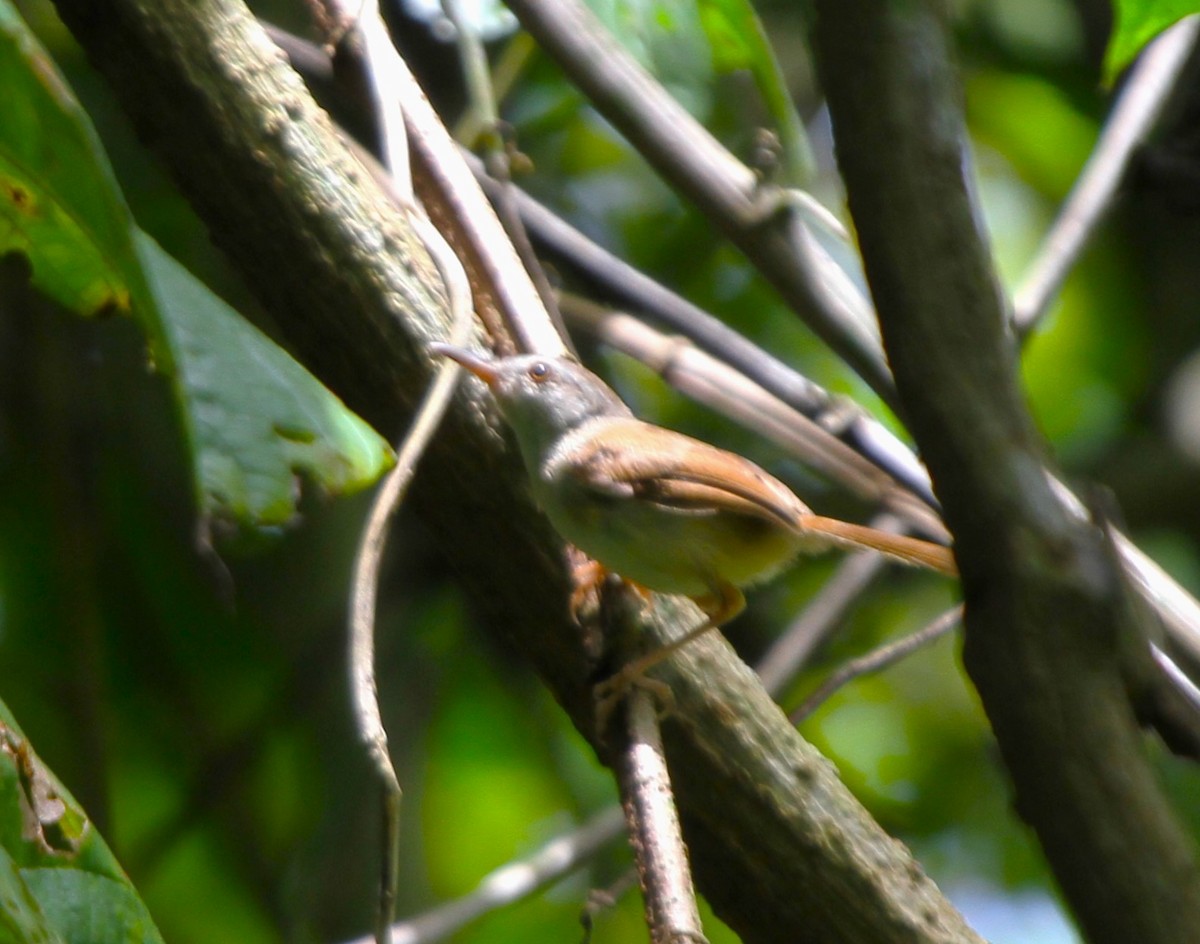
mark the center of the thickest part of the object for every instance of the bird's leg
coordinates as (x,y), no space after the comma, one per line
(720,606)
(587,577)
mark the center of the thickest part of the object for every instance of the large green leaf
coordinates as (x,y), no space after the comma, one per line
(254,418)
(1138,22)
(58,879)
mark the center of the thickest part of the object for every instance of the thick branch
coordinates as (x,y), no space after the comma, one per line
(1049,642)
(779,846)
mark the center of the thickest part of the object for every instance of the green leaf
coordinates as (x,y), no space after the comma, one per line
(82,906)
(59,202)
(58,879)
(1138,22)
(21,918)
(254,418)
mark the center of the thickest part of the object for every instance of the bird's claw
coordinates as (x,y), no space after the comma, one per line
(609,694)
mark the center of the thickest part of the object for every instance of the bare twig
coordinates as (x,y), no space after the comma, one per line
(619,89)
(365,582)
(795,646)
(382,69)
(283,202)
(1142,100)
(1178,609)
(464,214)
(601,899)
(513,881)
(1182,684)
(622,281)
(876,660)
(617,279)
(385,71)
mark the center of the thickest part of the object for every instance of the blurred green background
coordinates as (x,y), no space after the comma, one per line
(194,699)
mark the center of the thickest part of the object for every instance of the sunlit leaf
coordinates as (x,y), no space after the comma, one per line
(59,203)
(1138,22)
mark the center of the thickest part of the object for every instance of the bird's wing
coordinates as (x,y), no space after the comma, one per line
(627,456)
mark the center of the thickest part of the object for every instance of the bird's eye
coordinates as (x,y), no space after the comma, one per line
(539,372)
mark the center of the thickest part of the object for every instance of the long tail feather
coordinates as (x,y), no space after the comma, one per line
(907,550)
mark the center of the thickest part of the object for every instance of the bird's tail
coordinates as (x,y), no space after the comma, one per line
(847,536)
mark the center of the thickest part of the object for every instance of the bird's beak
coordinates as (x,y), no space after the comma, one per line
(484,370)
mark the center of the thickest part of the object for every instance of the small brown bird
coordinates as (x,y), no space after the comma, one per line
(654,506)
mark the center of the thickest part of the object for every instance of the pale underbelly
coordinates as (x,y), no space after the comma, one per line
(675,551)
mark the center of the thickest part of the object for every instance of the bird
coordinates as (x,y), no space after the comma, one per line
(661,509)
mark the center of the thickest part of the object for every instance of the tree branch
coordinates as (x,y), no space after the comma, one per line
(1049,639)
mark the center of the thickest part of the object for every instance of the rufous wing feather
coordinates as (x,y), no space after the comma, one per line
(672,468)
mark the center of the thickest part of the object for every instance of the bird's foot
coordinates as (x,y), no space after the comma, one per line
(609,694)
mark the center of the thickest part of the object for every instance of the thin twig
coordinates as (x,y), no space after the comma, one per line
(1185,686)
(1178,609)
(512,882)
(787,791)
(382,70)
(521,878)
(876,660)
(498,275)
(617,279)
(620,280)
(602,899)
(384,73)
(368,557)
(686,155)
(795,646)
(364,584)
(1137,110)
